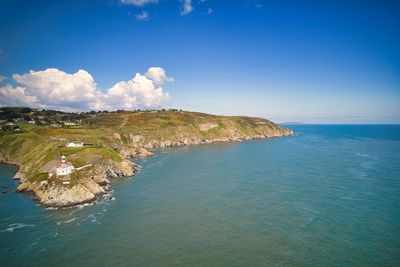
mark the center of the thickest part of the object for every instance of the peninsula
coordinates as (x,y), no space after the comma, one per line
(66,159)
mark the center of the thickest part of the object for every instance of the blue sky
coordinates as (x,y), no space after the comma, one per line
(310,61)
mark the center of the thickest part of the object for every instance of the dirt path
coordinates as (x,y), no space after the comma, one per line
(124,120)
(57,152)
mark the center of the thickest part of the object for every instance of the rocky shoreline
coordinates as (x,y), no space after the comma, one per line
(89,188)
(94,183)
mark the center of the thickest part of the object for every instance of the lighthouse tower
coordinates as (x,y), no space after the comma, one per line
(65,167)
(63,161)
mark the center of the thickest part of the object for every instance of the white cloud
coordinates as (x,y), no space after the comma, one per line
(209,11)
(142,16)
(138,2)
(187,7)
(2,78)
(140,91)
(10,96)
(158,76)
(53,88)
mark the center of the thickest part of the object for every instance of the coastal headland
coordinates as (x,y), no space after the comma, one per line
(67,159)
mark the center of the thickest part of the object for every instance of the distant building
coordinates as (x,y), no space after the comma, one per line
(69,123)
(55,125)
(65,167)
(31,122)
(10,123)
(72,144)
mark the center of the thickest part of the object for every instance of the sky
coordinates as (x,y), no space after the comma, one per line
(288,61)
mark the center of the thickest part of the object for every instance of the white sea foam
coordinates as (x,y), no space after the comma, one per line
(14,226)
(70,220)
(85,205)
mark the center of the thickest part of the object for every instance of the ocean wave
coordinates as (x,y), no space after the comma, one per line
(12,227)
(67,221)
(85,205)
(70,220)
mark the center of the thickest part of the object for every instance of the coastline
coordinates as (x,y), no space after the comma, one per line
(90,190)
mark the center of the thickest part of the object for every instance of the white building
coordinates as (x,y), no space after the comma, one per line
(65,167)
(72,144)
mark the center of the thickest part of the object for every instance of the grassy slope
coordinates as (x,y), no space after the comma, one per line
(35,145)
(167,124)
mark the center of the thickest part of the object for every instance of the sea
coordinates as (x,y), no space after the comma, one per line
(327,196)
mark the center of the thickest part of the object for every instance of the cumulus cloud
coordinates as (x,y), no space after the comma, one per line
(158,76)
(140,91)
(10,96)
(139,2)
(2,78)
(187,7)
(142,16)
(53,88)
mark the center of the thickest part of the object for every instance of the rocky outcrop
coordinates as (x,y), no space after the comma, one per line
(111,168)
(132,152)
(91,185)
(61,196)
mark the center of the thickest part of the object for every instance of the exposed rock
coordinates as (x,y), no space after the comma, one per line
(61,196)
(23,186)
(133,152)
(117,136)
(93,187)
(110,168)
(17,175)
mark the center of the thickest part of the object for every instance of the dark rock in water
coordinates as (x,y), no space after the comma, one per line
(4,192)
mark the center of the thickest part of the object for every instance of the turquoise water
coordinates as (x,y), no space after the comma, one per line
(328,196)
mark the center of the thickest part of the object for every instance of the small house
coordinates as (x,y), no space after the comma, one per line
(72,144)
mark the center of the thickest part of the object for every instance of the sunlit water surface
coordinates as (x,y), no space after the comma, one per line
(328,196)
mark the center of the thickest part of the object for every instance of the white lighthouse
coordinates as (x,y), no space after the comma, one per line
(65,167)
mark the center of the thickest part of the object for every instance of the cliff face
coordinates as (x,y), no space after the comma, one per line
(111,139)
(166,129)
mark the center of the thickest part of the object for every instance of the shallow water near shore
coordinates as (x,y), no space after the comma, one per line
(328,196)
